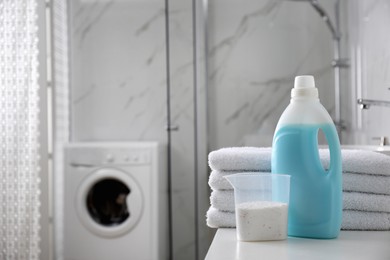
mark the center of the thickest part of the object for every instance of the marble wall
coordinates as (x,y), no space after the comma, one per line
(370,50)
(256,48)
(118,62)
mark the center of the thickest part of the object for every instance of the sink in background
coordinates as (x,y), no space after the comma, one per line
(381,149)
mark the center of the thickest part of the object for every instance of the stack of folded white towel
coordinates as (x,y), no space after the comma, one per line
(366,185)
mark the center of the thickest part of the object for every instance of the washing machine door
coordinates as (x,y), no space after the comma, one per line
(109,202)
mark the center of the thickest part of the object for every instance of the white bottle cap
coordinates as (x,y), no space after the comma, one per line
(304,86)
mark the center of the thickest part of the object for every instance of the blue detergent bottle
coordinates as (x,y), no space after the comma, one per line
(315,208)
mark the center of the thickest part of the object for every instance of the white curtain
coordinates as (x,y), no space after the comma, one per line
(19,170)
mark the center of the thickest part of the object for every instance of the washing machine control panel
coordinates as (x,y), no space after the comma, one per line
(127,157)
(95,157)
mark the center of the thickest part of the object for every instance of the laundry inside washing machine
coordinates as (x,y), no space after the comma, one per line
(106,202)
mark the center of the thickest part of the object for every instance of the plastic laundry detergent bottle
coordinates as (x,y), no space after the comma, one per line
(315,208)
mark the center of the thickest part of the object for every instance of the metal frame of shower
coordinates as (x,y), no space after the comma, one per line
(337,62)
(200,21)
(199,48)
(169,129)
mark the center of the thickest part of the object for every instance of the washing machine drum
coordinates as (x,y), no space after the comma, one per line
(109,202)
(106,202)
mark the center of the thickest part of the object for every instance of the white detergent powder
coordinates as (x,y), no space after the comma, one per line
(261,220)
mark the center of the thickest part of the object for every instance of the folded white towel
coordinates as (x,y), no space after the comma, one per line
(364,171)
(369,183)
(217,180)
(360,161)
(259,159)
(224,200)
(363,220)
(352,220)
(241,159)
(357,182)
(364,202)
(219,219)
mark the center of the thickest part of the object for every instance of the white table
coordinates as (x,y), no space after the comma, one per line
(354,245)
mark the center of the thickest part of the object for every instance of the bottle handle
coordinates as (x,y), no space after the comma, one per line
(334,147)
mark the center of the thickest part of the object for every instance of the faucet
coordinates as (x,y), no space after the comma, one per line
(366,103)
(383,140)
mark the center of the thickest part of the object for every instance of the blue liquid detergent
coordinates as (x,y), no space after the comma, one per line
(315,208)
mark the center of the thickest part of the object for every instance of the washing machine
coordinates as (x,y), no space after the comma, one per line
(115,201)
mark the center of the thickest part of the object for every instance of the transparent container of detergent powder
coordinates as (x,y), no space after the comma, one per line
(315,208)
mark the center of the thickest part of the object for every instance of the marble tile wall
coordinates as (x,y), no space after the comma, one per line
(256,48)
(370,50)
(118,72)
